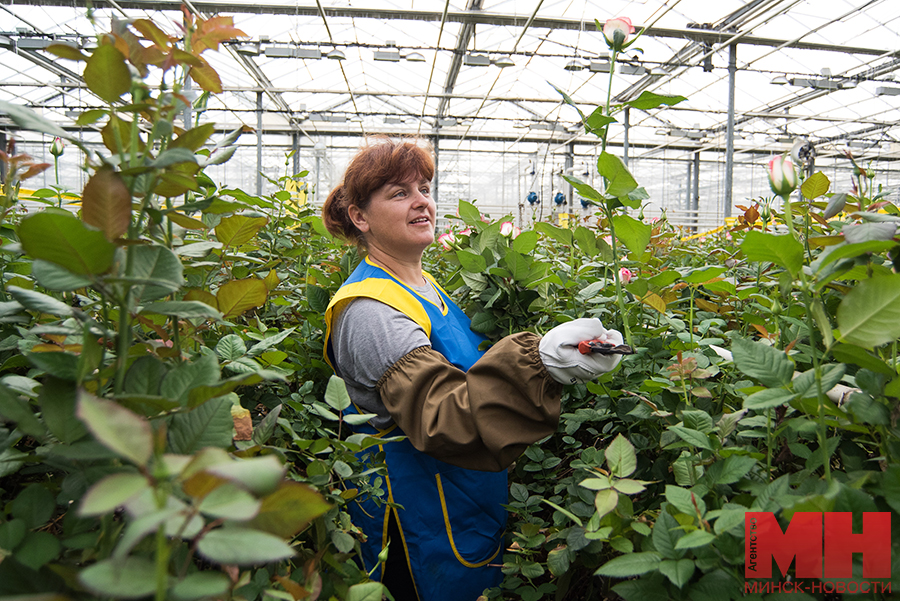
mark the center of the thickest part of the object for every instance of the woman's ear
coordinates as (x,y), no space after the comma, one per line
(358,218)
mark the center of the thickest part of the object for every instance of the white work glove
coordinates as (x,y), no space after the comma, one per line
(560,354)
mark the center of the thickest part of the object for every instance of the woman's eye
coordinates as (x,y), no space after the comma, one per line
(426,191)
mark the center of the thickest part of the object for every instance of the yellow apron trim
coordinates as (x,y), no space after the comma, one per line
(450,531)
(428,277)
(400,528)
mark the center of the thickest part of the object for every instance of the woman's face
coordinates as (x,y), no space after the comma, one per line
(399,219)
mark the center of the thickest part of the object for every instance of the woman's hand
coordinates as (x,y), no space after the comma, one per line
(560,354)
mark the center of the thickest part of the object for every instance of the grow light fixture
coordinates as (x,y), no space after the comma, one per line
(779,80)
(601,66)
(477,60)
(885,91)
(415,57)
(336,55)
(574,65)
(503,61)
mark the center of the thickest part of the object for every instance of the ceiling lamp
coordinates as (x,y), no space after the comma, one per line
(779,80)
(337,55)
(574,65)
(476,60)
(504,61)
(885,91)
(415,57)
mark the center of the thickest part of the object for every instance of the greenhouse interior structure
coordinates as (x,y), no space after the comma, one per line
(481,80)
(638,339)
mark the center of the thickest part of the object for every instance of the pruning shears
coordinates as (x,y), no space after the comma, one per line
(585,347)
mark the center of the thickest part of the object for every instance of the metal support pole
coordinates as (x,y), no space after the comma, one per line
(625,142)
(688,186)
(695,204)
(295,144)
(259,134)
(186,113)
(436,143)
(729,135)
(569,165)
(2,164)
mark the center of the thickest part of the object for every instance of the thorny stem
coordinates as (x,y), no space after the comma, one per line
(810,326)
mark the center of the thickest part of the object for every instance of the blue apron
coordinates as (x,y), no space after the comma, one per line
(452,520)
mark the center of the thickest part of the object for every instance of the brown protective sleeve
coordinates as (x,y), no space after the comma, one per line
(482,419)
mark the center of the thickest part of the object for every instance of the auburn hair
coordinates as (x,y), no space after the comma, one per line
(380,161)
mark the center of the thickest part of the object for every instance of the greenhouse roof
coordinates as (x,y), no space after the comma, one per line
(483,69)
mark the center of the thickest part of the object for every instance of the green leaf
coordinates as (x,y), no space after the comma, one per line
(629,487)
(633,233)
(181,381)
(558,561)
(867,232)
(35,506)
(58,401)
(703,274)
(336,394)
(770,397)
(317,298)
(160,267)
(666,532)
(519,265)
(584,189)
(145,376)
(766,364)
(620,457)
(586,241)
(117,428)
(849,353)
(844,251)
(107,74)
(633,564)
(805,383)
(61,365)
(184,309)
(835,205)
(231,347)
(237,229)
(526,242)
(38,549)
(230,502)
(683,500)
(697,538)
(730,518)
(783,250)
(621,182)
(678,571)
(650,100)
(19,411)
(692,437)
(651,587)
(66,241)
(54,277)
(106,203)
(605,501)
(596,121)
(289,509)
(735,468)
(270,341)
(718,586)
(484,322)
(209,425)
(174,156)
(568,100)
(815,185)
(470,261)
(366,591)
(201,585)
(242,546)
(869,315)
(128,578)
(27,119)
(111,492)
(237,296)
(563,236)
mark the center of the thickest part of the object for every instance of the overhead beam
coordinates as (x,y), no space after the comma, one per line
(474,17)
(462,43)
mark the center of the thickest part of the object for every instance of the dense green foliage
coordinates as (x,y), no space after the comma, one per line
(168,427)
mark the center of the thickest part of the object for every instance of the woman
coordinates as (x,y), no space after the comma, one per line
(407,355)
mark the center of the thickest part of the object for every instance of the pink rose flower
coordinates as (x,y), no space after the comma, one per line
(625,275)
